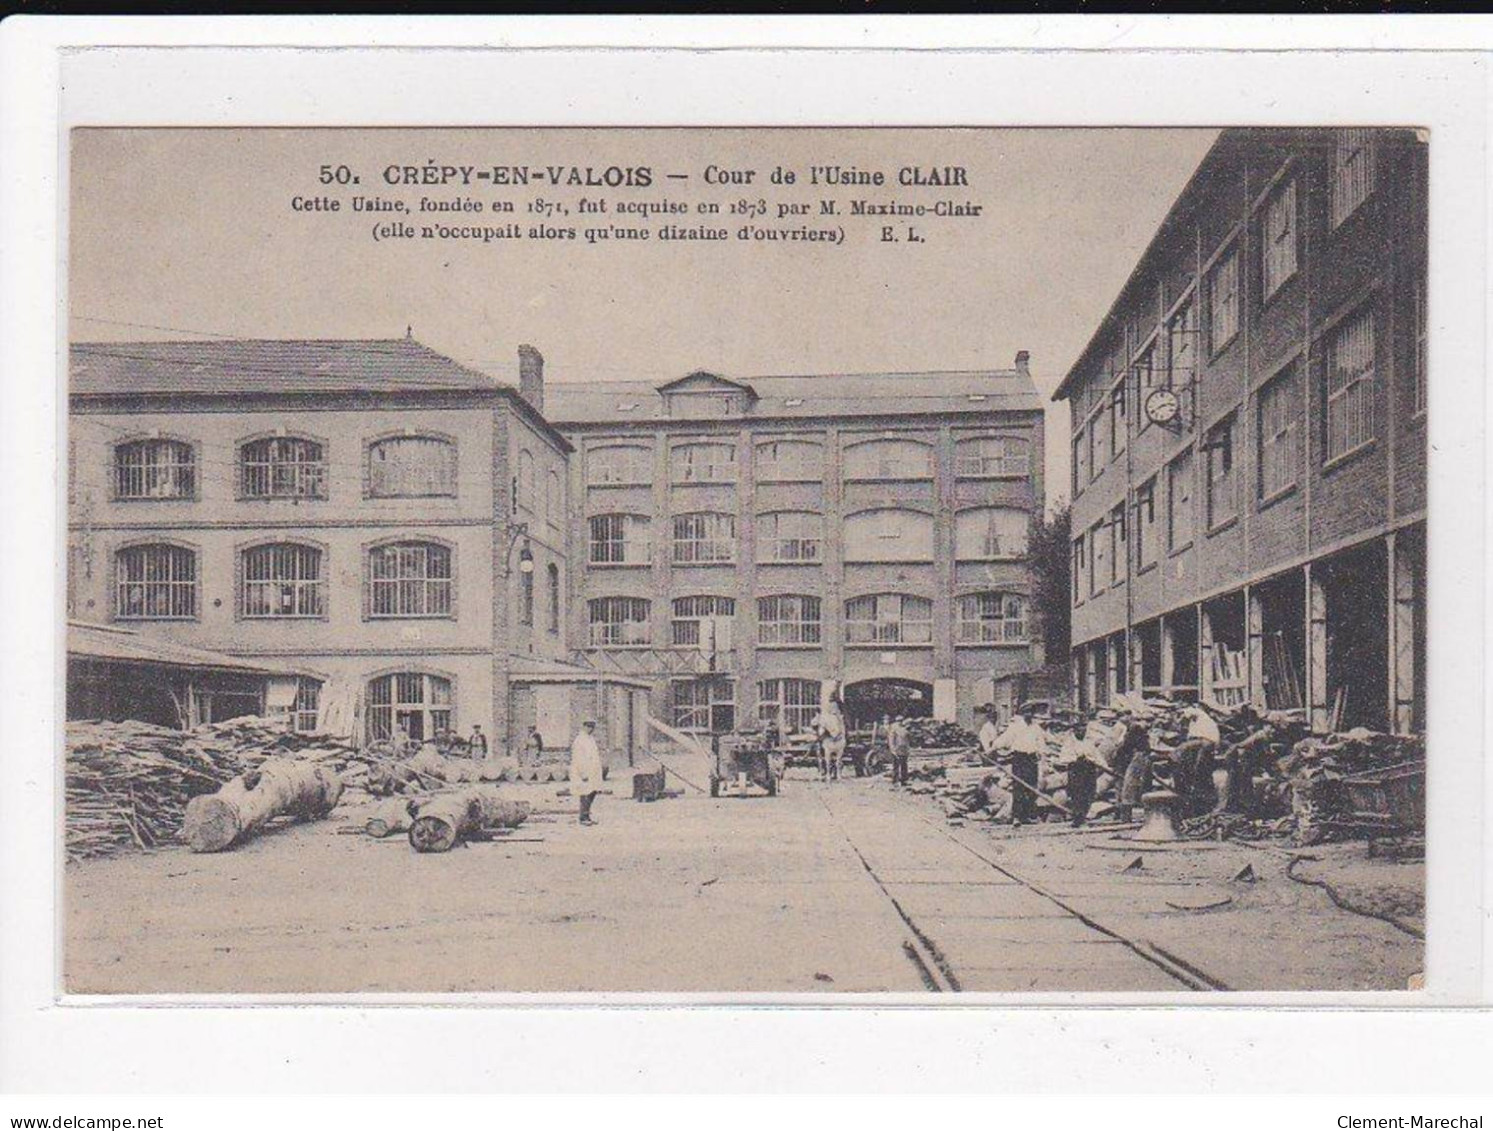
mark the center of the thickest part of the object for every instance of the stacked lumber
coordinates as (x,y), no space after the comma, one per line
(127,784)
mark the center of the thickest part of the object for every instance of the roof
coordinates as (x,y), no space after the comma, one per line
(123,645)
(280,365)
(531,669)
(826,394)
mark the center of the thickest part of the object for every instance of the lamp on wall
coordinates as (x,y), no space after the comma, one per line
(525,558)
(518,531)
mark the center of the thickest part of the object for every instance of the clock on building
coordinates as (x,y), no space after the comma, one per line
(1162,406)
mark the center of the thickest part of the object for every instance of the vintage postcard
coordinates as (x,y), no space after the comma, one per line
(745,560)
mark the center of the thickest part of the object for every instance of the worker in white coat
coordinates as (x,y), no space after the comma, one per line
(585,769)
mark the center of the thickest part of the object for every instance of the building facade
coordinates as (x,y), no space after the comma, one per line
(389,522)
(747,545)
(1249,439)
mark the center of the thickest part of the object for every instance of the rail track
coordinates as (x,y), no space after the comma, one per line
(938,971)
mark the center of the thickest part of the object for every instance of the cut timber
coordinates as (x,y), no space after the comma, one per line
(393,816)
(245,805)
(442,822)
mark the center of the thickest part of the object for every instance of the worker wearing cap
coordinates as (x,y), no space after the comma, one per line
(990,734)
(585,768)
(1023,742)
(1192,763)
(899,743)
(1082,761)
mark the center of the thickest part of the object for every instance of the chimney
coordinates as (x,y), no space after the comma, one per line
(1023,363)
(531,377)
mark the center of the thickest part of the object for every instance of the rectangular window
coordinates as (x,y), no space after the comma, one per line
(703,622)
(704,705)
(1119,423)
(1147,377)
(1420,340)
(1081,453)
(889,618)
(619,621)
(888,459)
(410,579)
(991,618)
(788,704)
(1223,300)
(156,582)
(704,463)
(788,619)
(1278,239)
(283,580)
(283,467)
(1097,458)
(1182,335)
(790,536)
(619,465)
(1350,385)
(704,539)
(1117,543)
(790,461)
(155,469)
(1145,524)
(1279,452)
(990,457)
(1352,172)
(1218,451)
(1179,502)
(1078,561)
(618,539)
(1096,558)
(526,598)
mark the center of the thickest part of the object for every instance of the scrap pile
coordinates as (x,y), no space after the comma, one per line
(927,735)
(128,783)
(1355,782)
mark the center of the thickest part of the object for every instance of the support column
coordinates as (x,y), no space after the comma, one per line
(1168,657)
(1137,661)
(1205,654)
(1112,662)
(1254,647)
(1092,668)
(1402,587)
(1318,710)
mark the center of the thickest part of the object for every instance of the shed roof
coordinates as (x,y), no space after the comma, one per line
(124,645)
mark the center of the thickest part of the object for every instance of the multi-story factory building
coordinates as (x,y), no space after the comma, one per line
(745,544)
(1249,439)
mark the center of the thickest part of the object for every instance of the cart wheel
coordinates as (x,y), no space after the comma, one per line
(715,787)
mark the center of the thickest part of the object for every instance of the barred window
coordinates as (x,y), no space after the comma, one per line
(790,536)
(703,622)
(790,461)
(991,618)
(411,467)
(989,457)
(1223,300)
(526,599)
(619,621)
(418,704)
(704,463)
(1278,239)
(889,459)
(1352,172)
(307,703)
(704,538)
(619,539)
(1350,385)
(410,579)
(788,619)
(619,464)
(989,533)
(889,618)
(283,580)
(156,581)
(155,469)
(788,704)
(1179,502)
(704,705)
(889,534)
(283,467)
(553,573)
(1279,440)
(1218,450)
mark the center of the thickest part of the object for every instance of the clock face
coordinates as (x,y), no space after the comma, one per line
(1162,406)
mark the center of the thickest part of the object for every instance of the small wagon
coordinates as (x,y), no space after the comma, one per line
(745,767)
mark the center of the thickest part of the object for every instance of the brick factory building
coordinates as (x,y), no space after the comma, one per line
(1249,439)
(746,543)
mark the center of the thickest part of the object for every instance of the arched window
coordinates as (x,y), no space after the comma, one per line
(418,704)
(282,467)
(703,622)
(789,618)
(410,579)
(156,581)
(619,540)
(889,459)
(617,465)
(155,469)
(554,505)
(704,538)
(790,461)
(790,536)
(991,457)
(889,534)
(703,463)
(553,573)
(619,621)
(991,618)
(283,579)
(526,499)
(788,704)
(889,618)
(988,533)
(411,467)
(526,598)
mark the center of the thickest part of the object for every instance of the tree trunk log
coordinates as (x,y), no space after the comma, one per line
(279,787)
(393,816)
(446,820)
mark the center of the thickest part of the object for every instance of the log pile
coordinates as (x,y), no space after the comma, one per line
(278,787)
(128,783)
(447,819)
